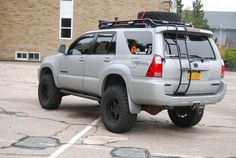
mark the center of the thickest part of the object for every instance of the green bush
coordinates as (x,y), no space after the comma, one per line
(230,58)
(222,50)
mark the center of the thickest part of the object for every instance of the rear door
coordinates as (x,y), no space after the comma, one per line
(101,57)
(206,68)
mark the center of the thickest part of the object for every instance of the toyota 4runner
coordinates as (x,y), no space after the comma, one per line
(135,65)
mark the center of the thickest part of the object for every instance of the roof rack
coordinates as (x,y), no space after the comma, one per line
(138,23)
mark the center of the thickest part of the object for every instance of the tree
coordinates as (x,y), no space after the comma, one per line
(179,8)
(198,19)
(187,16)
(195,16)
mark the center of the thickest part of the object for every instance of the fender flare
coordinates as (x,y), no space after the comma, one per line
(123,71)
(53,67)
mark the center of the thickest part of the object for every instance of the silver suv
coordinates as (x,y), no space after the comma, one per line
(135,65)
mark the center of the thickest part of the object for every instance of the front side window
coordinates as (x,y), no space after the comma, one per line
(139,43)
(81,46)
(105,44)
(198,46)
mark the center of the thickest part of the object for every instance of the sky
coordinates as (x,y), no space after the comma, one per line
(214,5)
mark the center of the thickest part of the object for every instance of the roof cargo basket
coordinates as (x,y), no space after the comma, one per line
(138,23)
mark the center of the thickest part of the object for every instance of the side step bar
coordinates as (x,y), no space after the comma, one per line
(87,96)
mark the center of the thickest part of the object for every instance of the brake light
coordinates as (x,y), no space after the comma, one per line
(155,68)
(222,69)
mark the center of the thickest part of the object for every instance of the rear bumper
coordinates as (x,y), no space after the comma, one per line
(152,92)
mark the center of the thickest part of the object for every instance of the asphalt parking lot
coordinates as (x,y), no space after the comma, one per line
(75,129)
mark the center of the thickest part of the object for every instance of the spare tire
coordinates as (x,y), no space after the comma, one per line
(164,16)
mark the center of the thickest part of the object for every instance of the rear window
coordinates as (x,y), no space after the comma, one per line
(139,43)
(198,46)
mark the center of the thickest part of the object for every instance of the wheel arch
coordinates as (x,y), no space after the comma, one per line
(111,80)
(47,68)
(44,71)
(118,79)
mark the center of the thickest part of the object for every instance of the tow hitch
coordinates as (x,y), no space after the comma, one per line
(198,107)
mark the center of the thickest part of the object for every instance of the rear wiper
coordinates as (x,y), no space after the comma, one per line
(197,57)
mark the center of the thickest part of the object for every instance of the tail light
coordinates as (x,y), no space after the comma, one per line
(155,68)
(222,69)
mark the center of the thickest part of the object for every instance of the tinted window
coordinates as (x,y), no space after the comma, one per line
(105,44)
(198,45)
(24,55)
(66,28)
(33,56)
(18,55)
(65,22)
(112,48)
(139,43)
(65,33)
(36,56)
(82,46)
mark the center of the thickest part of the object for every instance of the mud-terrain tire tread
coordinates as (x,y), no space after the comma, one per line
(126,119)
(55,97)
(192,119)
(164,16)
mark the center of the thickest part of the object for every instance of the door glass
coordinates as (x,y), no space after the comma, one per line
(105,44)
(82,46)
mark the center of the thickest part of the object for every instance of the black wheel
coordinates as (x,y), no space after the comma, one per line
(186,116)
(165,16)
(48,94)
(115,110)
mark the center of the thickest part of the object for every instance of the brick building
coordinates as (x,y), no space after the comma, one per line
(33,29)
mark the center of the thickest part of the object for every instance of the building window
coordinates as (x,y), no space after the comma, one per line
(33,56)
(66,28)
(27,56)
(20,55)
(66,19)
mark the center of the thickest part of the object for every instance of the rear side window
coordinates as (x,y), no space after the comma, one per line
(139,43)
(105,44)
(198,46)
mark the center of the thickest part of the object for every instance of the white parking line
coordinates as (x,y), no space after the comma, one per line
(171,155)
(74,139)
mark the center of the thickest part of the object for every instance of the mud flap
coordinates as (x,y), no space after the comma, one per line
(133,108)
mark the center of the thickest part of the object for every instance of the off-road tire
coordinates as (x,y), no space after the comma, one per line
(164,16)
(48,94)
(187,118)
(121,120)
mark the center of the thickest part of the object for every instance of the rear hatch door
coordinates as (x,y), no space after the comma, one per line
(196,52)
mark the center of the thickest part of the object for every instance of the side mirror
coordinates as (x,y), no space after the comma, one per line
(62,49)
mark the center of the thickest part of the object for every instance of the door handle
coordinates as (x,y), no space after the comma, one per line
(107,59)
(81,59)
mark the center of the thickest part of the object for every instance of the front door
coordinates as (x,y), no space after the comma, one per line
(71,66)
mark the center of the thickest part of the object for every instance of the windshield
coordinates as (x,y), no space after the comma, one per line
(198,46)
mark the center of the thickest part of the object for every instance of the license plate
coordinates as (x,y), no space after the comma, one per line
(196,75)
